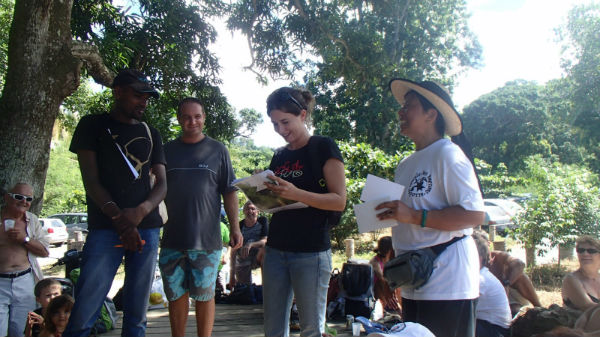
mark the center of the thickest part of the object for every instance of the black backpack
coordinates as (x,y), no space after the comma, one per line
(333,217)
(357,288)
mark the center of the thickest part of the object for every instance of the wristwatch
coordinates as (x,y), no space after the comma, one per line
(26,241)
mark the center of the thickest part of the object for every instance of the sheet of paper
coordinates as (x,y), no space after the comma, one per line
(366,216)
(255,190)
(378,188)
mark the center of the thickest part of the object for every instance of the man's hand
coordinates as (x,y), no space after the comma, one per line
(236,240)
(128,217)
(132,240)
(17,235)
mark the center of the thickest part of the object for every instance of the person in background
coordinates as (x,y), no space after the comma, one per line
(511,273)
(223,274)
(45,290)
(57,316)
(250,256)
(381,289)
(493,312)
(581,288)
(441,204)
(22,240)
(199,174)
(309,169)
(116,151)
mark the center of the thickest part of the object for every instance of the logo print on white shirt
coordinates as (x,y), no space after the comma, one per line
(420,185)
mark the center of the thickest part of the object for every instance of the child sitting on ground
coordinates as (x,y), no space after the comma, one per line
(57,316)
(45,290)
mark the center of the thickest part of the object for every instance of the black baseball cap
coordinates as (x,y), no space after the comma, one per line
(136,80)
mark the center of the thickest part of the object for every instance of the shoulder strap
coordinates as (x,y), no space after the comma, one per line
(149,136)
(313,154)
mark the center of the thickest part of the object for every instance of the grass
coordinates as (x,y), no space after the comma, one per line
(59,271)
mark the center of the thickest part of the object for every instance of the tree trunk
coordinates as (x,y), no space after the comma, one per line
(41,73)
(530,256)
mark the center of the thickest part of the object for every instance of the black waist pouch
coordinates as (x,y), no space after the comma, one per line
(414,268)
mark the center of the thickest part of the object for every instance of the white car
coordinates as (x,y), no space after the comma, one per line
(56,231)
(501,213)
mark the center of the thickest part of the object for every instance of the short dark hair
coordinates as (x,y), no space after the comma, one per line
(43,284)
(189,100)
(384,245)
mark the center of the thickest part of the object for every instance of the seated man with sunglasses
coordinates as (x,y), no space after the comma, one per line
(21,241)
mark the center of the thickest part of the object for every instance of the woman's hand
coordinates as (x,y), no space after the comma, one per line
(398,211)
(282,188)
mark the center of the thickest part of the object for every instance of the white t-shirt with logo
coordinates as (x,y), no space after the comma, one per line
(492,305)
(437,177)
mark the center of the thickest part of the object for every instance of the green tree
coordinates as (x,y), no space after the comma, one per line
(359,160)
(581,40)
(6,9)
(52,43)
(564,205)
(349,51)
(64,190)
(509,124)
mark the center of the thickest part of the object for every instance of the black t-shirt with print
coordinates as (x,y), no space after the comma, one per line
(99,133)
(304,229)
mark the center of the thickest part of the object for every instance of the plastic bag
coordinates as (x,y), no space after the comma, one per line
(158,298)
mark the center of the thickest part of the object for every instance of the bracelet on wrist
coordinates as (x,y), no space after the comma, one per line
(106,204)
(423,218)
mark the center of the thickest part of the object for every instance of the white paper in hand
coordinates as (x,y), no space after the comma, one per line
(366,216)
(378,188)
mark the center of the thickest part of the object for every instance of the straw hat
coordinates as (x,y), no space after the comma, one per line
(436,95)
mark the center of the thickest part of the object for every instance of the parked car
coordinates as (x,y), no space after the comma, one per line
(501,213)
(508,205)
(57,231)
(74,222)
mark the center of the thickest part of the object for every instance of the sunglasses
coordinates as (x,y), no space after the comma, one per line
(590,251)
(20,197)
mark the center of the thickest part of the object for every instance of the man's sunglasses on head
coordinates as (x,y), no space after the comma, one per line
(20,197)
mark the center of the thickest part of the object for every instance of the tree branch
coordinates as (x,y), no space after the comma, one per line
(94,64)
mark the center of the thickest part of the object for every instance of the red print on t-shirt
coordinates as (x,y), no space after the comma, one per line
(286,170)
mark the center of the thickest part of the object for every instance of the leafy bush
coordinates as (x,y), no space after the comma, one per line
(64,190)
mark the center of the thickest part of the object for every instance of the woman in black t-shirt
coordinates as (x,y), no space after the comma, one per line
(309,169)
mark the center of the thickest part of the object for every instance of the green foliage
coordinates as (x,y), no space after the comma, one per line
(168,40)
(547,276)
(350,50)
(564,206)
(361,159)
(496,182)
(6,12)
(509,124)
(64,190)
(581,41)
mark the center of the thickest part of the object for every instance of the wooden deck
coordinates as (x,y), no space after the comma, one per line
(230,320)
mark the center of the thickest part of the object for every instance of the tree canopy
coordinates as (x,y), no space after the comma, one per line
(349,51)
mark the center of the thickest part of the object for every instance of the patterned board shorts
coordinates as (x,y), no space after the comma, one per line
(193,271)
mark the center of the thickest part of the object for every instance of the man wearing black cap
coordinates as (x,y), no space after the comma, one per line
(116,152)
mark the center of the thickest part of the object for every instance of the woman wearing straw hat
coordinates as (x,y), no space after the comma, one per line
(442,202)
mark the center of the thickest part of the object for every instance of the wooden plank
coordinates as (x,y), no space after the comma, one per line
(230,320)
